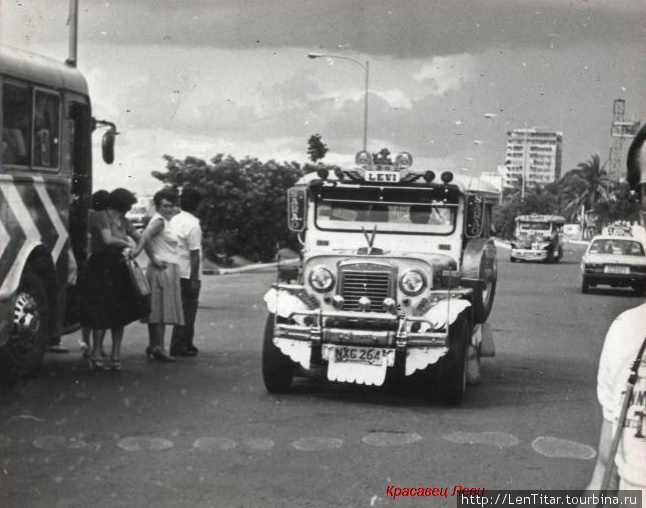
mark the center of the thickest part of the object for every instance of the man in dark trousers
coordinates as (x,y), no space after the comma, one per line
(187,227)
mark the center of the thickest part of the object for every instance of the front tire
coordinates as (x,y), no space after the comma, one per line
(585,286)
(277,369)
(453,367)
(24,351)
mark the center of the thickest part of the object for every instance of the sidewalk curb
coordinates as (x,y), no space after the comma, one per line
(248,268)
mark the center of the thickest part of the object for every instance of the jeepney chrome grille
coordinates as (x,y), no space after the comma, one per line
(375,285)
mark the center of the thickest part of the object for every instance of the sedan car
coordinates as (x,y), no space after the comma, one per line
(616,261)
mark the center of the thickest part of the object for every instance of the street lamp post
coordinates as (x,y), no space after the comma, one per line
(366,69)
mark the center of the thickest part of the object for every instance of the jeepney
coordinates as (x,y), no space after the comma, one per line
(538,238)
(397,275)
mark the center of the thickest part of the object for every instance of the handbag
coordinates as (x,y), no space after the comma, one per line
(138,278)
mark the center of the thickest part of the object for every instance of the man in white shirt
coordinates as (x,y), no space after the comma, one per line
(620,350)
(187,227)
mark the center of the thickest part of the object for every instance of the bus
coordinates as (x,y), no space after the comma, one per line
(46,125)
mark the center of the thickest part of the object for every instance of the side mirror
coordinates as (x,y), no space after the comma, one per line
(107,145)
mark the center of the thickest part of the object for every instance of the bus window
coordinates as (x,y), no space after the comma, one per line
(46,130)
(15,124)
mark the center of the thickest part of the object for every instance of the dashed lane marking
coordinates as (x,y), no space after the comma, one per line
(391,438)
(497,439)
(555,447)
(315,444)
(259,443)
(215,443)
(144,443)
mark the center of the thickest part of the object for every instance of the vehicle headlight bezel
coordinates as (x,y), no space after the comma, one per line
(321,279)
(413,282)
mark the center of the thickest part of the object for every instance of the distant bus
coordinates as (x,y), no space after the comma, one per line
(45,189)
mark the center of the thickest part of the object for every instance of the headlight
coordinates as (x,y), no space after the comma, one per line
(412,282)
(321,279)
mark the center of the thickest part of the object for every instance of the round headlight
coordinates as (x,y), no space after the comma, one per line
(412,282)
(321,279)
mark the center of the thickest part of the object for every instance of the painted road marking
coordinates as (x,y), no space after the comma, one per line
(144,443)
(391,438)
(215,443)
(315,444)
(555,447)
(497,439)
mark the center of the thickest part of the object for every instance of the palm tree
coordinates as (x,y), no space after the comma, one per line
(586,186)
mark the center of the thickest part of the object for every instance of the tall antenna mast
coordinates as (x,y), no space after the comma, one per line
(72,21)
(620,130)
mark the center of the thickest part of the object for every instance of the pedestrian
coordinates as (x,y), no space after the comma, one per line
(161,245)
(189,232)
(98,202)
(109,298)
(621,457)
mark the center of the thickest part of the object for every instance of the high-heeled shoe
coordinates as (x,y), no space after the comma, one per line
(149,352)
(97,363)
(115,365)
(161,356)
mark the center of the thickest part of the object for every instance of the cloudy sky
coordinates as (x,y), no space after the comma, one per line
(447,78)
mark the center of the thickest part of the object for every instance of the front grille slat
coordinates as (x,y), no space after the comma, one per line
(375,285)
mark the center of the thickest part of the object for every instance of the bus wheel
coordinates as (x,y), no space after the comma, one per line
(277,369)
(453,366)
(25,350)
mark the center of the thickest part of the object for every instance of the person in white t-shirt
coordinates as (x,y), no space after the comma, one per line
(620,350)
(187,227)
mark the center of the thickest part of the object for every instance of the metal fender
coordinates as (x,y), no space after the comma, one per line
(283,303)
(444,313)
(476,251)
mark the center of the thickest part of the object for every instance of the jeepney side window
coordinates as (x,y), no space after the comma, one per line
(46,131)
(15,124)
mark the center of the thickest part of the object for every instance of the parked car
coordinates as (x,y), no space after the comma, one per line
(140,213)
(616,261)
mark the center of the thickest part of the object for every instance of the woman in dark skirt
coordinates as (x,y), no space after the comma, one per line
(109,298)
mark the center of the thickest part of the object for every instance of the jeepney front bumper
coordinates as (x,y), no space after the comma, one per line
(531,254)
(359,346)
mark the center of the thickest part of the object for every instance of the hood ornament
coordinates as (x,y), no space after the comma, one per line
(370,240)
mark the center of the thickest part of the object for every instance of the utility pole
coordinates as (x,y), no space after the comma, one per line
(72,21)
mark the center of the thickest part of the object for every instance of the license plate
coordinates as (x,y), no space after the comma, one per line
(360,355)
(616,269)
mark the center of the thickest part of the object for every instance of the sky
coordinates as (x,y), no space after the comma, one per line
(447,79)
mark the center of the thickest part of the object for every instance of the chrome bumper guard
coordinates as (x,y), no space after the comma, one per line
(401,339)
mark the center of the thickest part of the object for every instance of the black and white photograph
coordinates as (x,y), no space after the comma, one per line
(320,254)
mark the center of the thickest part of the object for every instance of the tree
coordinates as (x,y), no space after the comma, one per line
(316,149)
(587,185)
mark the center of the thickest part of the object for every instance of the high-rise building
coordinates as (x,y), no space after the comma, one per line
(533,154)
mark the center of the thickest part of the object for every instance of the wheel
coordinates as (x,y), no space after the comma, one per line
(559,256)
(277,369)
(24,351)
(639,288)
(550,256)
(483,295)
(585,286)
(453,366)
(512,259)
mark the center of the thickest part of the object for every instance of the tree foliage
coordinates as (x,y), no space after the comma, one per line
(243,211)
(316,149)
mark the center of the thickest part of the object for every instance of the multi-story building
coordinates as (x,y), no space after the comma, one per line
(533,154)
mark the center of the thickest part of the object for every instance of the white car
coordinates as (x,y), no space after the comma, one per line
(617,261)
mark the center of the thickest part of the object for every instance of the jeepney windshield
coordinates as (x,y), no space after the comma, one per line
(532,228)
(390,210)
